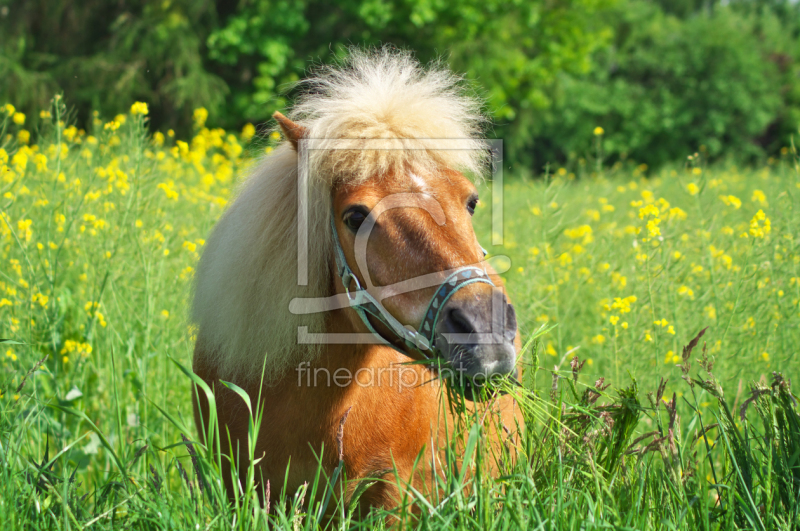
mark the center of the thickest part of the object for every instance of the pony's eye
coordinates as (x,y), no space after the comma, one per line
(471,204)
(354,217)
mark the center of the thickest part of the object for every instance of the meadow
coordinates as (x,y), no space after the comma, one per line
(634,420)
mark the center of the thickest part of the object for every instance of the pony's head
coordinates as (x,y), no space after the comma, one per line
(420,230)
(404,235)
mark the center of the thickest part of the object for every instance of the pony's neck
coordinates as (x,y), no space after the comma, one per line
(345,356)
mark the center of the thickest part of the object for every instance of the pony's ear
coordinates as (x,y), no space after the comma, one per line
(291,130)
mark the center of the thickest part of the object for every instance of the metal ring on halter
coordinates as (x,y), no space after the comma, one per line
(363,302)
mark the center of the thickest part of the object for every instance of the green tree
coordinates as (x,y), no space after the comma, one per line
(105,55)
(661,76)
(667,87)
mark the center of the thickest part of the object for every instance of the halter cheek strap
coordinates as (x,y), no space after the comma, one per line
(366,305)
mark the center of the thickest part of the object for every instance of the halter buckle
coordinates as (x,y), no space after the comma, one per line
(347,277)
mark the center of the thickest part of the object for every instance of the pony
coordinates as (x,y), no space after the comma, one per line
(347,254)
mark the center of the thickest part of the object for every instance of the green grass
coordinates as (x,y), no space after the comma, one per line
(99,239)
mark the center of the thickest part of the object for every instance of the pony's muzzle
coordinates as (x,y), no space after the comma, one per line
(476,336)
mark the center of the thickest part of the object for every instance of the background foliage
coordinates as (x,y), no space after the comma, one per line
(663,78)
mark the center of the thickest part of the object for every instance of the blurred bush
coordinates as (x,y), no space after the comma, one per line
(667,87)
(662,78)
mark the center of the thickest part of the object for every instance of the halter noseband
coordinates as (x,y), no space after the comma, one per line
(364,303)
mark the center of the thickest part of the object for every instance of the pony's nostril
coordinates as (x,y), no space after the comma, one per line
(510,331)
(458,322)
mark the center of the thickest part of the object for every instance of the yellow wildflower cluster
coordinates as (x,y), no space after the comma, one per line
(75,349)
(760,225)
(86,214)
(731,200)
(139,108)
(651,212)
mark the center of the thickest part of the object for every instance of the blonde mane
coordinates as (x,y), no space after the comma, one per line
(248,272)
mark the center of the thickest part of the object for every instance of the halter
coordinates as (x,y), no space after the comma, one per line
(364,303)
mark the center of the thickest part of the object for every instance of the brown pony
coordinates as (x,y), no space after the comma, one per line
(347,254)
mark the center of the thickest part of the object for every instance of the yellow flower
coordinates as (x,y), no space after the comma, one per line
(759,197)
(652,227)
(10,109)
(759,231)
(584,231)
(622,305)
(677,213)
(248,132)
(765,356)
(18,118)
(169,192)
(20,161)
(687,291)
(599,339)
(613,319)
(139,108)
(693,189)
(598,131)
(200,116)
(23,136)
(24,227)
(731,200)
(649,210)
(165,314)
(40,298)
